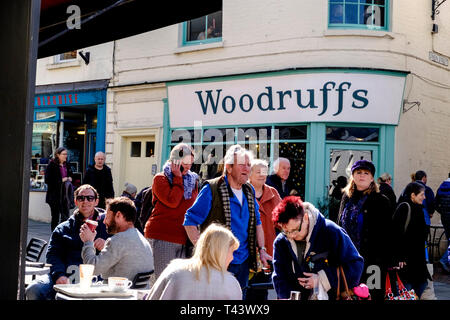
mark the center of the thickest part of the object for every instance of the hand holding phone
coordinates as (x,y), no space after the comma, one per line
(176,168)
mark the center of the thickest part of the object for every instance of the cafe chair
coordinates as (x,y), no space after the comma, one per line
(141,280)
(35,248)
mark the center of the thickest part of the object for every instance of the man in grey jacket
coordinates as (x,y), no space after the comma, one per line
(127,252)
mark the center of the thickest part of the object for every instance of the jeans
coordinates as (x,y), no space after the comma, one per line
(241,272)
(41,289)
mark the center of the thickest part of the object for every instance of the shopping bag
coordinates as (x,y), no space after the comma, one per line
(404,294)
(360,292)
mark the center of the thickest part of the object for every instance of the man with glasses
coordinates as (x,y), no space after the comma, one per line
(64,248)
(309,250)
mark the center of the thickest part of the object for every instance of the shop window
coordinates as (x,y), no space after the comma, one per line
(135,149)
(291,132)
(365,14)
(203,30)
(353,134)
(45,116)
(268,143)
(43,146)
(66,56)
(296,153)
(149,148)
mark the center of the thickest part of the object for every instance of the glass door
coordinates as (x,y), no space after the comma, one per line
(340,159)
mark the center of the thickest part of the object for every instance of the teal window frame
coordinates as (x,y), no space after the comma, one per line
(359,4)
(185,42)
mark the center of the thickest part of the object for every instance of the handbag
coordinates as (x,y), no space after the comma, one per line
(360,292)
(404,294)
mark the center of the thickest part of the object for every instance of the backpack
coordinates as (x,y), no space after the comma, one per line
(408,217)
(147,207)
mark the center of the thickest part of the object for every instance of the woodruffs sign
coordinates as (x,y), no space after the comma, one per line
(325,97)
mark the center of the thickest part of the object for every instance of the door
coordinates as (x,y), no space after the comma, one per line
(140,165)
(342,157)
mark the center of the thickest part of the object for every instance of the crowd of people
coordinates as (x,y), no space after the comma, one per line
(206,239)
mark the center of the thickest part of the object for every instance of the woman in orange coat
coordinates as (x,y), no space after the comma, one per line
(174,191)
(268,198)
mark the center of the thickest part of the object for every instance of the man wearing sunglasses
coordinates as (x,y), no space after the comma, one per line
(64,248)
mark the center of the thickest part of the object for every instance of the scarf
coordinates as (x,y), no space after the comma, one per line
(352,219)
(189,180)
(225,193)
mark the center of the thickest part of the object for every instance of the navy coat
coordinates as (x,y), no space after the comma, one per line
(328,242)
(64,248)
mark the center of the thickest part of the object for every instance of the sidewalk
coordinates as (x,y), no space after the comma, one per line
(441,280)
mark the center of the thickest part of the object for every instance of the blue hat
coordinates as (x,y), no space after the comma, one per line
(364,164)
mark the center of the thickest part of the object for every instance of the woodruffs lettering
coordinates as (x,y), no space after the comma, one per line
(332,95)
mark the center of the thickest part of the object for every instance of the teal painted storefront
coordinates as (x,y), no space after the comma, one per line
(316,143)
(84,112)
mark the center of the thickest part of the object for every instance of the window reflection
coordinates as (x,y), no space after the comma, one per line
(353,134)
(43,145)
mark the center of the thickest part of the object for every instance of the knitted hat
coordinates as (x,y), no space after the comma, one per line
(130,188)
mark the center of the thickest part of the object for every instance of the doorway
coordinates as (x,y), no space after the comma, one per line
(140,161)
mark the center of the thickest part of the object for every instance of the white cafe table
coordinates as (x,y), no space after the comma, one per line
(34,269)
(95,292)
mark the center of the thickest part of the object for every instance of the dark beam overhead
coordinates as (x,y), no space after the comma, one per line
(108,20)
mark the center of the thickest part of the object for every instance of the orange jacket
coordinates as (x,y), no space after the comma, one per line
(166,220)
(269,200)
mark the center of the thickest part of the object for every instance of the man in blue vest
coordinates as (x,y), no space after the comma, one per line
(230,200)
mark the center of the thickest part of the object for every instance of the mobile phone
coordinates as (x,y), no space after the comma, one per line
(181,168)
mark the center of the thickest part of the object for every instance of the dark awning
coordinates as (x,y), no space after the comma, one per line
(107,20)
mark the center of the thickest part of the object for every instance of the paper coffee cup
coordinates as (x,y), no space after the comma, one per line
(92,224)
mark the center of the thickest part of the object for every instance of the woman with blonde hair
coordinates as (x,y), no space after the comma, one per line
(366,215)
(205,275)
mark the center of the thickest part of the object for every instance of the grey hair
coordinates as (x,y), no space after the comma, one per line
(260,162)
(384,177)
(276,163)
(237,150)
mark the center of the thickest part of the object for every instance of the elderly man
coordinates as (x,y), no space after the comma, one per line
(279,179)
(230,200)
(127,252)
(99,176)
(64,249)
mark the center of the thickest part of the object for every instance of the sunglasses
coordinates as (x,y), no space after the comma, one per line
(88,198)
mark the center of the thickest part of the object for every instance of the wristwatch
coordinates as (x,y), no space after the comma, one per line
(262,248)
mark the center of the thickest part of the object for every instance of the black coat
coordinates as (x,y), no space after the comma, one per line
(53,179)
(275,181)
(389,193)
(410,245)
(376,238)
(102,181)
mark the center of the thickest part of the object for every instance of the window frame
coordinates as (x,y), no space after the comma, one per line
(57,58)
(358,26)
(185,42)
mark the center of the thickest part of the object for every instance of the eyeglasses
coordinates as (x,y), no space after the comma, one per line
(88,198)
(287,233)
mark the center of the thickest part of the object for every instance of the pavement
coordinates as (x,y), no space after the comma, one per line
(441,279)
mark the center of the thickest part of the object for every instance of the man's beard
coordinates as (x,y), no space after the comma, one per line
(112,228)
